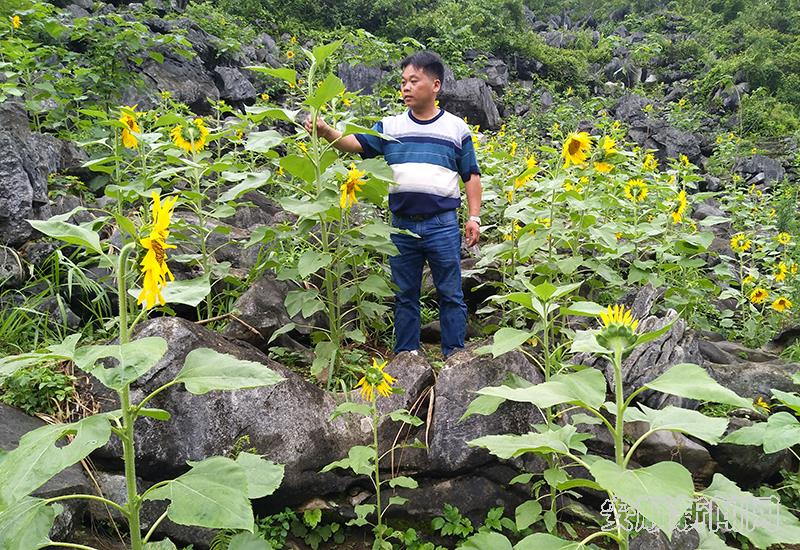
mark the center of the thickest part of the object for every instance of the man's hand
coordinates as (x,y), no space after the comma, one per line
(323,129)
(472,231)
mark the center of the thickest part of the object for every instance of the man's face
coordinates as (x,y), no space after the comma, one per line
(418,88)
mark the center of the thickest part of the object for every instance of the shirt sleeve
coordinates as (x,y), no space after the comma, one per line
(467,159)
(372,145)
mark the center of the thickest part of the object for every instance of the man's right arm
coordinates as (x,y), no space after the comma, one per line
(347,144)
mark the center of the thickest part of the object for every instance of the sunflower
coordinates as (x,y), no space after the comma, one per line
(515,227)
(576,148)
(781,304)
(531,162)
(740,243)
(264,97)
(376,380)
(603,167)
(759,295)
(522,180)
(190,137)
(352,184)
(154,264)
(290,54)
(783,269)
(618,315)
(636,190)
(784,237)
(129,140)
(677,215)
(650,162)
(609,145)
(513,150)
(16,22)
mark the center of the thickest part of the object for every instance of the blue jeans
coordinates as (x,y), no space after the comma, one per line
(440,244)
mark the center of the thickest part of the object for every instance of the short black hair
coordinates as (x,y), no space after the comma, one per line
(427,61)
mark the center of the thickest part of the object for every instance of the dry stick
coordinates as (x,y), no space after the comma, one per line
(411,410)
(231,316)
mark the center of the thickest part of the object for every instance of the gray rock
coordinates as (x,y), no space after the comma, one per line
(463,374)
(13,425)
(748,465)
(26,159)
(680,540)
(471,98)
(233,85)
(671,446)
(11,268)
(288,423)
(360,77)
(760,169)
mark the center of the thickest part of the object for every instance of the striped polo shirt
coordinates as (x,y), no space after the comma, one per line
(427,160)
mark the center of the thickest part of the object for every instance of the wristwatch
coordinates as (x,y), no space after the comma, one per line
(475,219)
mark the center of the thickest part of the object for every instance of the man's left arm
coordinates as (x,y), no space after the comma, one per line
(472,229)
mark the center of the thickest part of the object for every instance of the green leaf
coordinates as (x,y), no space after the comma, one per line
(508,446)
(311,261)
(325,91)
(252,181)
(26,524)
(212,494)
(303,301)
(780,431)
(708,539)
(303,209)
(324,356)
(190,292)
(508,339)
(261,142)
(403,481)
(263,476)
(676,419)
(376,285)
(403,415)
(765,521)
(205,370)
(587,387)
(486,540)
(248,541)
(348,407)
(585,341)
(543,541)
(789,400)
(692,381)
(661,492)
(587,309)
(37,458)
(323,51)
(653,334)
(65,350)
(257,113)
(157,414)
(133,360)
(289,75)
(359,459)
(69,233)
(527,514)
(165,544)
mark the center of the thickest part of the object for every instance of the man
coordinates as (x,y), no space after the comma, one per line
(433,150)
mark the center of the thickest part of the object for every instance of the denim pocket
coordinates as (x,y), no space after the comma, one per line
(448,217)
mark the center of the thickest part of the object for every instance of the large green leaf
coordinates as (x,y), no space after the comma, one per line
(661,492)
(762,520)
(65,350)
(250,182)
(676,419)
(507,339)
(304,209)
(692,381)
(257,113)
(789,400)
(37,458)
(69,233)
(311,261)
(212,494)
(323,51)
(562,440)
(587,386)
(359,459)
(486,540)
(289,75)
(248,541)
(325,91)
(205,370)
(26,524)
(487,404)
(133,360)
(543,541)
(709,540)
(780,431)
(261,142)
(263,476)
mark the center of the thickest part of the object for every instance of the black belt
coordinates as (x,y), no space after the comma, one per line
(418,217)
